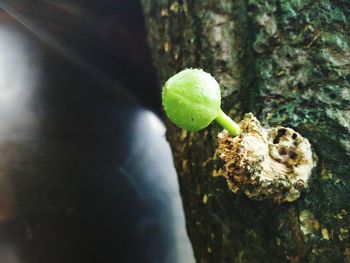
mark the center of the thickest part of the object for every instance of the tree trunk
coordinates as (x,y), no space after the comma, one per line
(288,62)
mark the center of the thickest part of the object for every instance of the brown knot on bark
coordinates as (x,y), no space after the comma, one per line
(266,163)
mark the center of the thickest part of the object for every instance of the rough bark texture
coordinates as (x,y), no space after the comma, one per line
(287,61)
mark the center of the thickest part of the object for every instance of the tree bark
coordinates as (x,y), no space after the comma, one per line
(288,62)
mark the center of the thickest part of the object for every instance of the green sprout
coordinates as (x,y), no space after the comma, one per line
(192,100)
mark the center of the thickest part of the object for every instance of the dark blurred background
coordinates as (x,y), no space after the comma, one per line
(108,34)
(86,174)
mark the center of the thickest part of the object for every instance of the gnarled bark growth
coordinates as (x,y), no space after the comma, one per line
(266,163)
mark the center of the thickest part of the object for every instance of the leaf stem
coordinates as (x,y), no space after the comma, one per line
(227,123)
